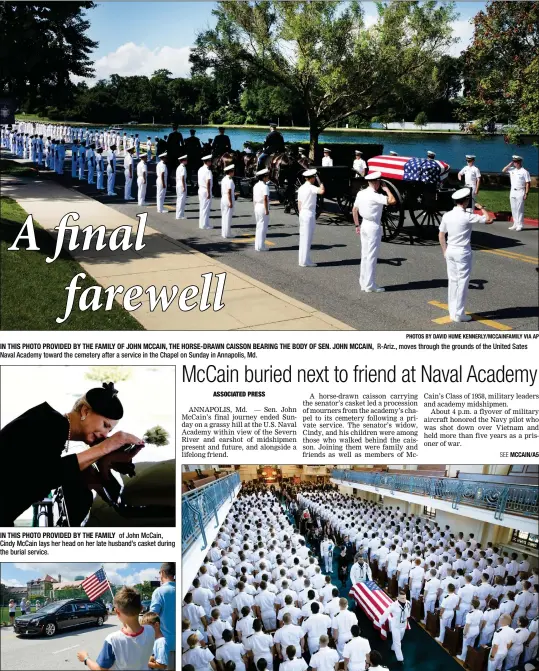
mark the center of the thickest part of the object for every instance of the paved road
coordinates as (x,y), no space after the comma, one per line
(40,653)
(503,289)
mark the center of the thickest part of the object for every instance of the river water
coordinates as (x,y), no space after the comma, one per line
(492,152)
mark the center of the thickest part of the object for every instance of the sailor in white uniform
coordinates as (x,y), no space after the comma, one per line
(502,637)
(369,205)
(400,612)
(521,636)
(161,184)
(90,162)
(74,158)
(111,170)
(457,224)
(327,161)
(530,651)
(227,201)
(261,195)
(181,187)
(142,180)
(82,159)
(307,194)
(471,628)
(447,610)
(472,177)
(137,146)
(326,550)
(99,167)
(360,572)
(148,149)
(61,154)
(520,185)
(205,184)
(359,166)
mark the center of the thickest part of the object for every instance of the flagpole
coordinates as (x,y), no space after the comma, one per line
(108,583)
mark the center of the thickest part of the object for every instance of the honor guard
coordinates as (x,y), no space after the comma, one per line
(111,170)
(99,167)
(181,187)
(307,194)
(472,177)
(142,179)
(520,185)
(369,205)
(457,225)
(227,202)
(327,161)
(128,173)
(161,184)
(261,194)
(205,184)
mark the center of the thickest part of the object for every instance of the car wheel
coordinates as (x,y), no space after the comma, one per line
(100,621)
(50,629)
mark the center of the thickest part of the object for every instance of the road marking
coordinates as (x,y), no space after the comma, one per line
(509,255)
(57,652)
(247,237)
(487,322)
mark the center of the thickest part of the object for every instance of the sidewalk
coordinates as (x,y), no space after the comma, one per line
(249,304)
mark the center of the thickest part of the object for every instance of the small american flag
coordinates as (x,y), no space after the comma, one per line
(406,168)
(373,601)
(95,584)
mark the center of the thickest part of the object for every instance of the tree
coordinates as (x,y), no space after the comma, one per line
(109,373)
(41,46)
(324,56)
(157,435)
(500,67)
(421,119)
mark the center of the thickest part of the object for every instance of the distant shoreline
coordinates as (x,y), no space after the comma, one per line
(150,127)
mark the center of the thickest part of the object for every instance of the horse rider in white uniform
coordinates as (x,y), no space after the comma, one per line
(457,224)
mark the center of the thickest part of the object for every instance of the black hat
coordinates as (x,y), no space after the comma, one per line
(104,400)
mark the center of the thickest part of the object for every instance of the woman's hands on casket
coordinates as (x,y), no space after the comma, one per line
(107,446)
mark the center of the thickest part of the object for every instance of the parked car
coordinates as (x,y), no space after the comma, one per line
(60,616)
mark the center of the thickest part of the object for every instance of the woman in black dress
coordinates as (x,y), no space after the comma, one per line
(33,447)
(342,561)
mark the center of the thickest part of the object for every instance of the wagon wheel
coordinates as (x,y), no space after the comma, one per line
(345,204)
(392,215)
(300,181)
(427,212)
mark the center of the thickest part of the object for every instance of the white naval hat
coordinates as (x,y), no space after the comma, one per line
(431,153)
(373,175)
(182,158)
(358,152)
(247,150)
(462,193)
(470,157)
(163,154)
(229,167)
(262,172)
(310,173)
(207,157)
(516,158)
(328,150)
(393,153)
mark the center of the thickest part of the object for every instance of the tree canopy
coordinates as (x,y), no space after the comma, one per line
(42,45)
(322,55)
(501,67)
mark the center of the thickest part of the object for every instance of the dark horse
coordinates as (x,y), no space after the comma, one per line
(284,169)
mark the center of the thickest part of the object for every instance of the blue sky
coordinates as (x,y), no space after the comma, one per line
(120,573)
(140,37)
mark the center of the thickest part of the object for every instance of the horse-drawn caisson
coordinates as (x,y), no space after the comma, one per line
(418,184)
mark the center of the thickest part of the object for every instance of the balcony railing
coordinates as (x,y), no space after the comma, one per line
(515,499)
(201,505)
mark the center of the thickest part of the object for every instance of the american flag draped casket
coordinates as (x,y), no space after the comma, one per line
(409,169)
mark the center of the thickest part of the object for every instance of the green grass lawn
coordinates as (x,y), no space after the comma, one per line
(4,613)
(33,292)
(8,167)
(496,199)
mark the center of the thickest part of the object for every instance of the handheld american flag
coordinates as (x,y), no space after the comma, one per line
(95,584)
(373,601)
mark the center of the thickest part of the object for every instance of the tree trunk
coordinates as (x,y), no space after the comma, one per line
(314,133)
